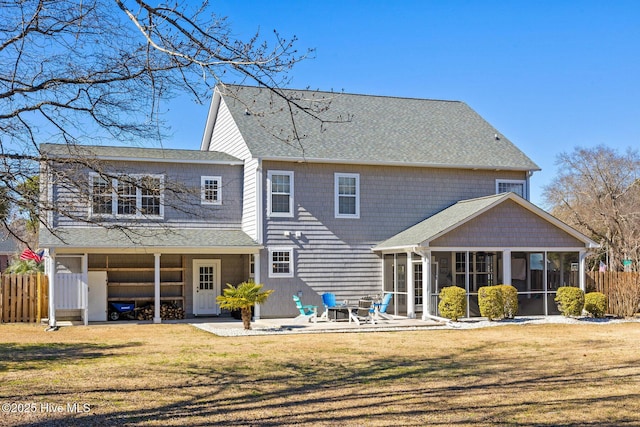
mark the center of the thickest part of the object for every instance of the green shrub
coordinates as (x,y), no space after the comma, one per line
(570,300)
(491,302)
(453,302)
(510,300)
(595,303)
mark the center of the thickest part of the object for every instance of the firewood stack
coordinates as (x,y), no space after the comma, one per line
(167,312)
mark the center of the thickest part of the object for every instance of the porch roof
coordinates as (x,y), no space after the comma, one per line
(423,233)
(93,239)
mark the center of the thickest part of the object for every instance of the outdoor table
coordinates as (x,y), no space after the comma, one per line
(350,309)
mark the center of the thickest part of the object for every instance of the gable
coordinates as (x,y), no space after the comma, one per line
(363,129)
(225,135)
(510,225)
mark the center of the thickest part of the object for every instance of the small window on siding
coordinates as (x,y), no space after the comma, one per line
(347,195)
(280,186)
(281,262)
(514,186)
(211,188)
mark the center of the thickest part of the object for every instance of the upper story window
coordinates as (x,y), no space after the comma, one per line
(347,195)
(512,185)
(210,193)
(280,193)
(101,196)
(132,196)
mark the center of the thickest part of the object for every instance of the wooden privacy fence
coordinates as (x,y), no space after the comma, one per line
(23,297)
(621,288)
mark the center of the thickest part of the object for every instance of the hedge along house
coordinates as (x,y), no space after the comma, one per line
(388,194)
(141,226)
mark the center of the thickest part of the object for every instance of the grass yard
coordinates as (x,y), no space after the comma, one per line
(178,375)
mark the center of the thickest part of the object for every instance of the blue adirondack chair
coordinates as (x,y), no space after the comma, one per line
(307,312)
(381,307)
(329,302)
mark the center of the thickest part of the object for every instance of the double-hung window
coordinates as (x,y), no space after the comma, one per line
(133,196)
(280,190)
(281,262)
(512,185)
(347,195)
(101,195)
(210,193)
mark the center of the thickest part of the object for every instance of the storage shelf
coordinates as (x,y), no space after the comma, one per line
(144,283)
(136,269)
(145,299)
(116,289)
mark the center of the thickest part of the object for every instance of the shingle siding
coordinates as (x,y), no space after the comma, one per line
(182,206)
(508,225)
(334,254)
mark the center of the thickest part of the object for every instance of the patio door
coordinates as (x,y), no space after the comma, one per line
(206,286)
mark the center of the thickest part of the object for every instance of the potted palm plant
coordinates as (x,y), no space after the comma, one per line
(243,297)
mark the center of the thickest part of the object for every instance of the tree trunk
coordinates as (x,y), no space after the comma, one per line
(246,317)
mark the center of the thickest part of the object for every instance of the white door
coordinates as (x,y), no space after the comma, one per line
(97,296)
(206,286)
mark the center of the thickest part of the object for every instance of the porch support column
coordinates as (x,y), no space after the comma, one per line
(545,283)
(467,281)
(582,271)
(85,289)
(426,284)
(51,270)
(411,291)
(256,277)
(506,267)
(156,299)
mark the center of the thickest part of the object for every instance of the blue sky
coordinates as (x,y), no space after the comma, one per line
(549,75)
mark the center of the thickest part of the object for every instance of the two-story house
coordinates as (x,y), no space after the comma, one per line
(355,195)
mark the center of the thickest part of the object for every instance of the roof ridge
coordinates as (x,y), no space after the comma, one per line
(352,94)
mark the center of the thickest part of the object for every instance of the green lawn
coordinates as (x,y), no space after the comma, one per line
(572,375)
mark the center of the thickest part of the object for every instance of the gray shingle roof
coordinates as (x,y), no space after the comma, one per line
(439,223)
(371,130)
(458,214)
(148,237)
(8,244)
(136,153)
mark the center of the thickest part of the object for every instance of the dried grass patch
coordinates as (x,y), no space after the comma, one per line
(179,375)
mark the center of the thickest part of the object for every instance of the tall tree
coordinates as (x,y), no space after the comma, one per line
(97,71)
(597,191)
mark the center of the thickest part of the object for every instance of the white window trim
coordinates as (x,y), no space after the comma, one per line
(114,198)
(336,202)
(203,200)
(269,195)
(512,181)
(291,263)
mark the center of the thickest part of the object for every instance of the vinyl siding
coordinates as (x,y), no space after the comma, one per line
(508,225)
(250,199)
(334,254)
(226,137)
